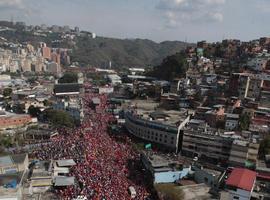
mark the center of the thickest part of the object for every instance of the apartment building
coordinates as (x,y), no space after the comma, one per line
(206,144)
(243,153)
(158,127)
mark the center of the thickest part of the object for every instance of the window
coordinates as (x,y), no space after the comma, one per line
(205,179)
(235,197)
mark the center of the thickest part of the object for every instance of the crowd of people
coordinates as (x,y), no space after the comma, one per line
(105,167)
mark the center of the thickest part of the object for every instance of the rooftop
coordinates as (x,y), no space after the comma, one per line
(12,159)
(67,88)
(148,110)
(65,163)
(64,181)
(242,178)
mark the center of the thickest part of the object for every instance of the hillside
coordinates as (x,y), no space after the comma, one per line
(100,51)
(136,53)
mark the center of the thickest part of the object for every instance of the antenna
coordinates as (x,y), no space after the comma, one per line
(110,64)
(12,19)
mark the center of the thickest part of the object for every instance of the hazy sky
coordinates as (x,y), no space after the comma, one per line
(159,20)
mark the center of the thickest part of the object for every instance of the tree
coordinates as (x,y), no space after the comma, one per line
(264,147)
(59,118)
(69,78)
(244,121)
(5,141)
(19,108)
(174,66)
(46,102)
(7,92)
(34,111)
(32,80)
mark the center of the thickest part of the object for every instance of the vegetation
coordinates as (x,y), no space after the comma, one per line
(5,141)
(141,53)
(59,118)
(32,79)
(244,121)
(174,66)
(264,147)
(19,108)
(34,111)
(69,78)
(97,79)
(7,92)
(169,191)
(100,51)
(46,102)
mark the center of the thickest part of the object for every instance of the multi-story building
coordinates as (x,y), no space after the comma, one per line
(158,127)
(243,153)
(206,144)
(55,57)
(46,53)
(226,148)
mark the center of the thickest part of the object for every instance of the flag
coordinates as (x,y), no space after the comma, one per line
(148,146)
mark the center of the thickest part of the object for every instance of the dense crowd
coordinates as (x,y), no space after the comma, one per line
(105,167)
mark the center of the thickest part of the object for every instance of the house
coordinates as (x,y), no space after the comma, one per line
(164,170)
(240,184)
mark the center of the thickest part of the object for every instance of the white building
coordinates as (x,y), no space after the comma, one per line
(114,79)
(240,184)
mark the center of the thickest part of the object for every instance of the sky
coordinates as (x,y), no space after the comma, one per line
(158,20)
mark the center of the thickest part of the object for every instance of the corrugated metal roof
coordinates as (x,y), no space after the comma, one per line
(64,181)
(242,178)
(65,163)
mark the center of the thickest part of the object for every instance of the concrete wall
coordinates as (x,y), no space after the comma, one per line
(170,177)
(242,194)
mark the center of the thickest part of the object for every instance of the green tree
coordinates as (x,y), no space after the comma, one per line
(19,108)
(7,92)
(69,78)
(59,118)
(264,147)
(174,66)
(46,102)
(5,141)
(32,80)
(34,111)
(244,121)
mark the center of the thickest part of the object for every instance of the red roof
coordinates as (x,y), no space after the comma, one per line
(242,178)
